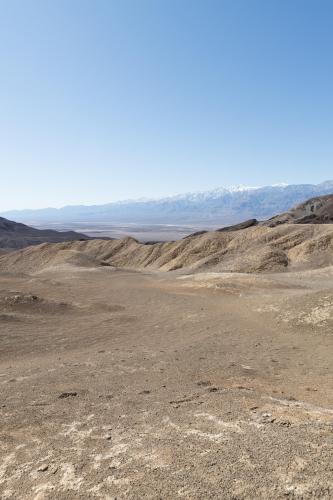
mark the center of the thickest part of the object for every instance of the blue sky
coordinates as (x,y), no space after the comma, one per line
(115,99)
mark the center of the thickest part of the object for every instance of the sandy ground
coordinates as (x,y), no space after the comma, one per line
(120,384)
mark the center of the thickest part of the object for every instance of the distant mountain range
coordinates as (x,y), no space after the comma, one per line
(218,207)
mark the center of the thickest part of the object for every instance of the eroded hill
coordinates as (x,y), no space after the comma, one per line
(255,249)
(317,210)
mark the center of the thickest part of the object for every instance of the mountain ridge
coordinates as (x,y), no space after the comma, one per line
(221,206)
(301,238)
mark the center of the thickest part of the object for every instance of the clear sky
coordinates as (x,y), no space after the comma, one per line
(103,100)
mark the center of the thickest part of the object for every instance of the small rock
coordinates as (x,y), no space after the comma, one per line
(284,423)
(204,383)
(247,367)
(65,395)
(43,468)
(266,418)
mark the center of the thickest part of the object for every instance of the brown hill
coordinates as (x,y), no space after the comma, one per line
(300,238)
(14,235)
(317,210)
(255,249)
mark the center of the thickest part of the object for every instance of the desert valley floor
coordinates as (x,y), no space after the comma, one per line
(123,384)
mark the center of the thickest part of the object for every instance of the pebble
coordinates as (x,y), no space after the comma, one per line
(43,468)
(65,395)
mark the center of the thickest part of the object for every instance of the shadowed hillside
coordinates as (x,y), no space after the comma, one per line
(14,235)
(317,210)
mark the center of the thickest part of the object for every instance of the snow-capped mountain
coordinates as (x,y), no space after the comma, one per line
(205,195)
(221,206)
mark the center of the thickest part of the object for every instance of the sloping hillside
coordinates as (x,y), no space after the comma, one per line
(14,235)
(318,210)
(300,238)
(255,249)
